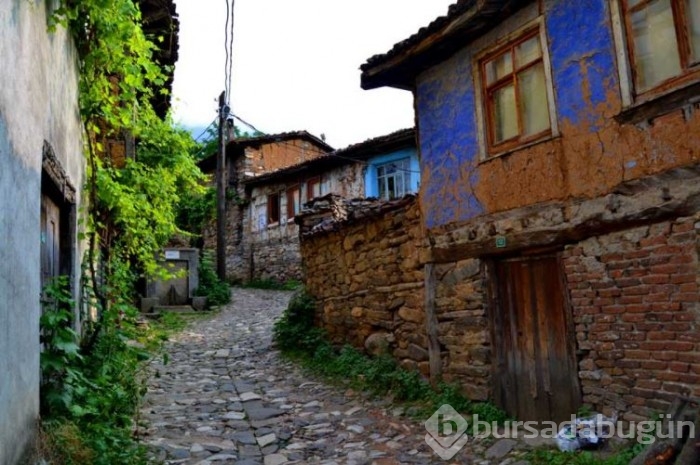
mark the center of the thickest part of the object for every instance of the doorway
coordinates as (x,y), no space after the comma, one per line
(536,375)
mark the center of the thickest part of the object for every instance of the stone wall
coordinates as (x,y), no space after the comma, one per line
(635,302)
(363,262)
(463,329)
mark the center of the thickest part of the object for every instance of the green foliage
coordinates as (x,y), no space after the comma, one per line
(556,457)
(216,291)
(195,210)
(271,284)
(297,337)
(89,398)
(91,385)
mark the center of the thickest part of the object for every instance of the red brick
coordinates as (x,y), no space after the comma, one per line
(678,327)
(659,259)
(649,326)
(656,240)
(688,287)
(656,279)
(638,290)
(631,299)
(681,259)
(622,328)
(632,317)
(654,365)
(664,289)
(602,284)
(649,384)
(683,227)
(666,356)
(654,345)
(614,292)
(689,378)
(621,265)
(695,368)
(613,309)
(628,345)
(605,318)
(682,316)
(668,269)
(683,278)
(679,346)
(626,364)
(659,316)
(638,354)
(690,337)
(685,297)
(667,376)
(691,357)
(661,336)
(637,254)
(663,297)
(665,306)
(679,367)
(627,282)
(581,293)
(599,327)
(669,250)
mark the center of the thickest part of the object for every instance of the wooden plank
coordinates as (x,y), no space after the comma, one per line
(431,323)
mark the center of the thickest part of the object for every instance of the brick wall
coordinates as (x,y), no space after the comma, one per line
(634,297)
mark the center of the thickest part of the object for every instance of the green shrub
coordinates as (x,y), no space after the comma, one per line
(296,336)
(216,291)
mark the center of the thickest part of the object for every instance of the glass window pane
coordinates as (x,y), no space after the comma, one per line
(505,117)
(655,46)
(391,187)
(382,188)
(693,12)
(534,111)
(527,52)
(499,67)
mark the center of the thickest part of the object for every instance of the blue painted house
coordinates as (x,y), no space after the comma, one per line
(560,191)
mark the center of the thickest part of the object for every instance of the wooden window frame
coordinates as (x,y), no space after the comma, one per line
(291,192)
(689,71)
(310,187)
(487,90)
(273,205)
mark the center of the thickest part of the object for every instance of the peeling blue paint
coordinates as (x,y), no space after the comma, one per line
(449,147)
(582,57)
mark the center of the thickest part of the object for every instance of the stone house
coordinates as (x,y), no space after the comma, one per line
(247,158)
(560,196)
(385,166)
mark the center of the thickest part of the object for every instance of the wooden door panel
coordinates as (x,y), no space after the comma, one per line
(50,240)
(536,376)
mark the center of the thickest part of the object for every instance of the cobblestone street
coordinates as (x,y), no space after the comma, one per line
(227,397)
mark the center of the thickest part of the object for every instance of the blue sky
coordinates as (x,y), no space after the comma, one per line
(296,64)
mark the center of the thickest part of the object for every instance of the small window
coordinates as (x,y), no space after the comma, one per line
(313,188)
(515,93)
(273,208)
(293,202)
(663,37)
(394,179)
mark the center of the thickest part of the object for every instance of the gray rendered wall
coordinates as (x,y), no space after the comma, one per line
(38,102)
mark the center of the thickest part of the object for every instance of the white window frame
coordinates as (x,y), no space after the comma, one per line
(405,173)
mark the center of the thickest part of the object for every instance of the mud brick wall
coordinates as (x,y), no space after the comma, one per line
(366,273)
(463,327)
(634,297)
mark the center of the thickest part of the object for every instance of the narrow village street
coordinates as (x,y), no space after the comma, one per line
(226,397)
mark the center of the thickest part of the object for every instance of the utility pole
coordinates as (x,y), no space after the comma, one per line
(221,180)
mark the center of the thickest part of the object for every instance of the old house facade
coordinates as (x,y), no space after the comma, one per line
(385,166)
(41,172)
(247,158)
(559,157)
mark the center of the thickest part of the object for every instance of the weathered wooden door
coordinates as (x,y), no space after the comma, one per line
(536,376)
(50,240)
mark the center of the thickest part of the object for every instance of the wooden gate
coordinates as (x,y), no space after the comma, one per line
(536,376)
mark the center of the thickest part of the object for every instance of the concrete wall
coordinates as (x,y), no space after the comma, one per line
(38,102)
(591,153)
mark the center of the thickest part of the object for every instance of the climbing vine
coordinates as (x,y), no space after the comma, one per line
(130,211)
